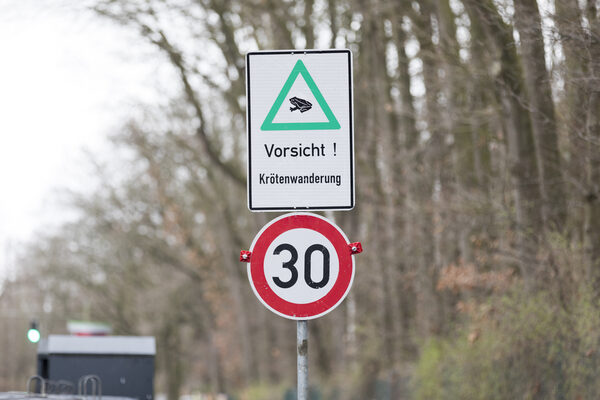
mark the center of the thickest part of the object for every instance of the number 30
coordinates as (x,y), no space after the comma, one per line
(307,266)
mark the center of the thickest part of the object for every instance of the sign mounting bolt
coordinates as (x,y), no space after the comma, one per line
(355,247)
(245,256)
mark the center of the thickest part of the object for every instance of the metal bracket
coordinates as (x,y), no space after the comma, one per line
(245,256)
(355,247)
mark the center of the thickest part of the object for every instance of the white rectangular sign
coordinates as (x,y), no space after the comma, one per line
(300,133)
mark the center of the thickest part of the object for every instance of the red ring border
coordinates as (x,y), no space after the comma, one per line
(269,297)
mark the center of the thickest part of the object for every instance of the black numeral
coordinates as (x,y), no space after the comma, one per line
(307,266)
(290,264)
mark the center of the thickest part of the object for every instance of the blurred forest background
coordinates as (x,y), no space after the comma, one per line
(477,129)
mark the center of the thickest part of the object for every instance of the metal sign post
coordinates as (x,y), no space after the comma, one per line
(299,116)
(302,345)
(301,266)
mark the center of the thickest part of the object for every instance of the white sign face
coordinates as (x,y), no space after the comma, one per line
(300,130)
(294,245)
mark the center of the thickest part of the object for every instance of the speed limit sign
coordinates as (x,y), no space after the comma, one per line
(301,265)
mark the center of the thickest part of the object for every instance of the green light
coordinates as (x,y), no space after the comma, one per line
(33,335)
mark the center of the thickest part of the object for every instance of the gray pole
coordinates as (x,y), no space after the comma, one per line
(302,344)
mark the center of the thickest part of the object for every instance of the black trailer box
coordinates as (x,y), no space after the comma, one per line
(125,364)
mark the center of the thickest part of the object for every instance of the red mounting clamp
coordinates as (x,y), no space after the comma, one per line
(245,256)
(355,247)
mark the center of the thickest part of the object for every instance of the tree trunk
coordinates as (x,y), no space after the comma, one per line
(171,356)
(517,126)
(405,163)
(541,109)
(429,184)
(576,66)
(592,204)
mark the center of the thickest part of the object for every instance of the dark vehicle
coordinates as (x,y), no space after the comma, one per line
(300,104)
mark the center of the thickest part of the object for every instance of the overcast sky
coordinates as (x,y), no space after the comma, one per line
(66,80)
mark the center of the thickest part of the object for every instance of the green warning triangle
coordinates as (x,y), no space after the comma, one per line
(269,125)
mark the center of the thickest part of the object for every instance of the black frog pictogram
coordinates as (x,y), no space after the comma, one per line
(300,104)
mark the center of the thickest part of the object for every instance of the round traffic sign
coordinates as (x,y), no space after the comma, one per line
(301,266)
